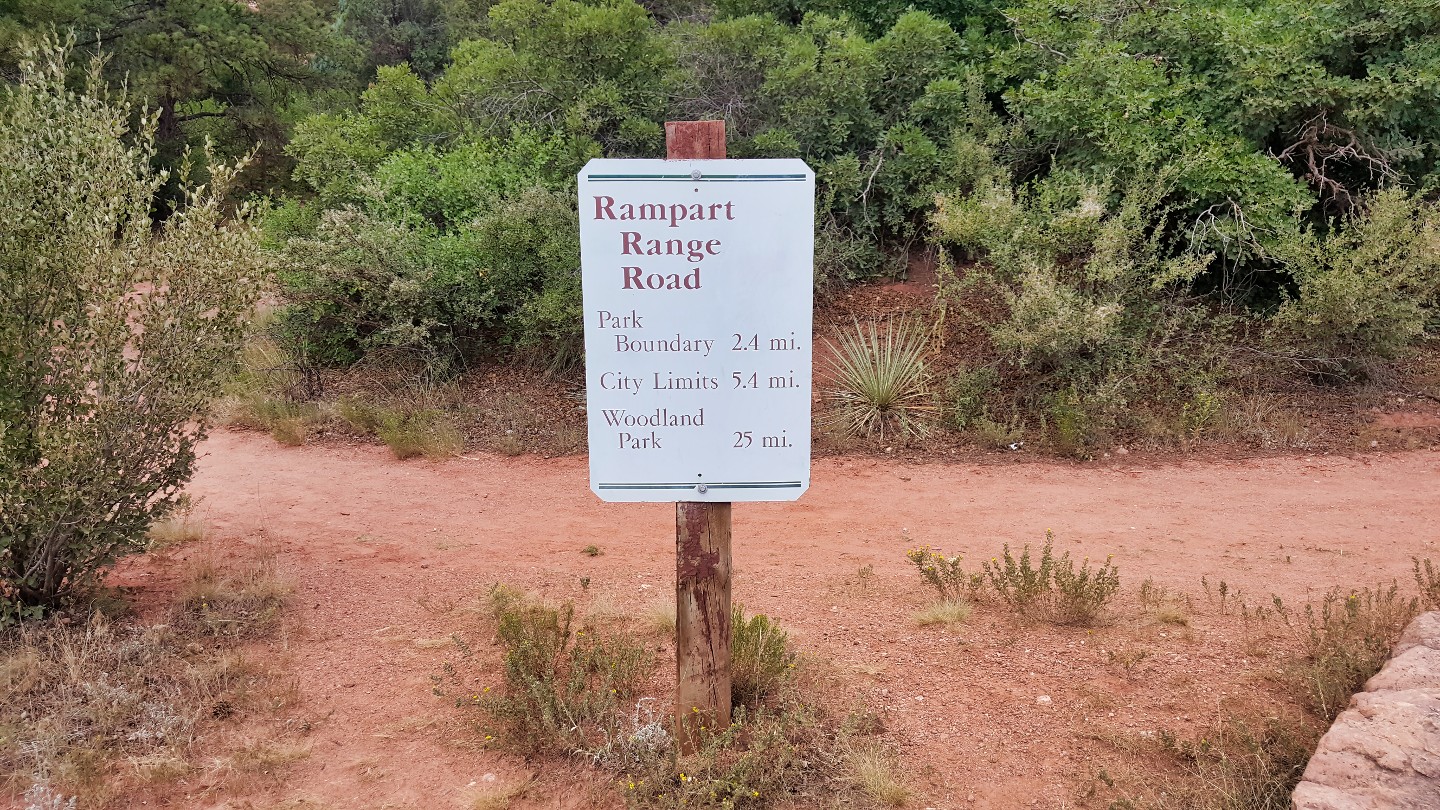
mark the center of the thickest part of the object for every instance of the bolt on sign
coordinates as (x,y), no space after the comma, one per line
(698,282)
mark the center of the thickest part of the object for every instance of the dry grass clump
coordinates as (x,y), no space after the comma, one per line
(80,703)
(218,600)
(179,528)
(1239,764)
(943,614)
(410,430)
(875,772)
(89,708)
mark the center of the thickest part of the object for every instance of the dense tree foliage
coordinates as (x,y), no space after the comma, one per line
(1129,185)
(237,74)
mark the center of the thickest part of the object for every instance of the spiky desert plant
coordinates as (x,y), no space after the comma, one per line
(878,381)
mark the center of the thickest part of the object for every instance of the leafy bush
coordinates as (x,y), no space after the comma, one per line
(115,330)
(760,658)
(1055,589)
(361,284)
(564,683)
(1347,640)
(451,254)
(1092,310)
(878,381)
(1367,290)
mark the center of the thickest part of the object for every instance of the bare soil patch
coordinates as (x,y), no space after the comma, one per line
(391,560)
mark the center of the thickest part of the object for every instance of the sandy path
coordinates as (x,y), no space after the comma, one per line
(383,553)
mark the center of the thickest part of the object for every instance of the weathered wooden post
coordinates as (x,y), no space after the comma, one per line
(698,283)
(702,547)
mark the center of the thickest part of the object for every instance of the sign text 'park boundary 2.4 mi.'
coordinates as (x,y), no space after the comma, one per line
(698,287)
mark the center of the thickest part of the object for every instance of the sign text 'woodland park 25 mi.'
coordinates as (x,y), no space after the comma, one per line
(698,279)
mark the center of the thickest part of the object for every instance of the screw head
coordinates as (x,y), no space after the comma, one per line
(702,489)
(695,174)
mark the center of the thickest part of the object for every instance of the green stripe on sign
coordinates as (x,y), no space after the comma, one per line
(729,485)
(685,178)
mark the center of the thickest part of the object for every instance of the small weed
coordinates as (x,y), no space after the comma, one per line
(1165,607)
(1427,579)
(1128,660)
(1197,415)
(1054,590)
(1152,595)
(946,575)
(999,435)
(760,657)
(864,575)
(591,551)
(943,613)
(1346,641)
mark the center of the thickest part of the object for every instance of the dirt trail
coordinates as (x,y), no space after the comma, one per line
(386,555)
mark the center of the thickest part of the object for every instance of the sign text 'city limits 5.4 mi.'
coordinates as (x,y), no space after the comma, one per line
(698,283)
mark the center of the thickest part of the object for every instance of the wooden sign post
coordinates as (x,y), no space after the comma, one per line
(702,547)
(697,273)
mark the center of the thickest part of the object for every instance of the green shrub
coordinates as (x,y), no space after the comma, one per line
(946,575)
(878,382)
(765,756)
(1367,289)
(116,331)
(1055,589)
(1346,640)
(564,684)
(760,658)
(966,393)
(1237,765)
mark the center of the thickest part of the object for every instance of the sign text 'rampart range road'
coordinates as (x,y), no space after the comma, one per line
(698,283)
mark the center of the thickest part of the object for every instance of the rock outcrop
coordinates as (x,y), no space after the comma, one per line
(1383,751)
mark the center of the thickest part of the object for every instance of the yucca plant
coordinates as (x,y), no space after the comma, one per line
(878,380)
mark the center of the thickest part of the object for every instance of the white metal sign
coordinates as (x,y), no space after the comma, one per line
(698,281)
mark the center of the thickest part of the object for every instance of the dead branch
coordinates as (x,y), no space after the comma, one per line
(1320,145)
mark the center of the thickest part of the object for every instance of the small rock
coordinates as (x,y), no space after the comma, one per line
(1043,700)
(1120,451)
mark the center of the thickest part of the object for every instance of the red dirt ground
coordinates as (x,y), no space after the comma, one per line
(389,558)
